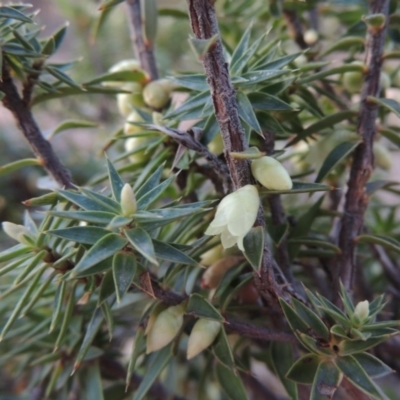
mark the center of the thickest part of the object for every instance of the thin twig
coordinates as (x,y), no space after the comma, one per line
(142,48)
(294,24)
(30,82)
(39,145)
(204,25)
(356,198)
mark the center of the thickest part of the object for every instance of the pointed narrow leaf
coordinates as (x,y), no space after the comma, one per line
(123,269)
(338,154)
(254,77)
(222,350)
(374,367)
(91,331)
(241,48)
(200,47)
(142,243)
(81,234)
(353,371)
(82,201)
(138,347)
(267,102)
(92,380)
(73,125)
(167,252)
(348,347)
(282,360)
(107,287)
(195,82)
(153,194)
(103,249)
(157,364)
(253,244)
(58,303)
(116,181)
(95,217)
(16,165)
(389,104)
(301,187)
(231,384)
(382,240)
(247,113)
(149,18)
(11,12)
(152,181)
(295,322)
(311,319)
(304,369)
(202,308)
(326,381)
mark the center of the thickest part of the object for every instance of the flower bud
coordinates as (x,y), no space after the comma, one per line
(362,310)
(235,216)
(129,127)
(156,94)
(17,232)
(211,256)
(123,65)
(131,145)
(165,328)
(126,101)
(214,274)
(384,81)
(383,159)
(128,201)
(311,36)
(271,174)
(202,335)
(353,80)
(216,146)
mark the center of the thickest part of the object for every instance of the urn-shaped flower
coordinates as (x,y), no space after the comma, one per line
(235,216)
(271,173)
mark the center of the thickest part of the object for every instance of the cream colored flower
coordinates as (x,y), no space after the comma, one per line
(17,232)
(235,216)
(271,173)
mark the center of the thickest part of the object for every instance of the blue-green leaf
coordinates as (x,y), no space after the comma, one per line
(326,381)
(253,244)
(81,234)
(142,243)
(167,252)
(116,181)
(202,308)
(123,268)
(247,113)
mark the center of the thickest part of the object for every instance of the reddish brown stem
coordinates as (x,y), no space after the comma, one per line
(356,198)
(142,48)
(39,145)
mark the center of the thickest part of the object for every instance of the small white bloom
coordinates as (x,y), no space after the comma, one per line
(235,216)
(16,232)
(128,201)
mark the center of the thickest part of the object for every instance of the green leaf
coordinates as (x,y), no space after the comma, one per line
(391,135)
(295,322)
(142,243)
(266,102)
(82,201)
(91,331)
(22,301)
(329,72)
(72,124)
(157,364)
(381,240)
(123,269)
(105,201)
(58,303)
(149,20)
(237,69)
(222,350)
(388,104)
(13,13)
(116,181)
(374,367)
(200,47)
(301,187)
(194,82)
(345,43)
(315,243)
(338,154)
(246,112)
(153,194)
(109,4)
(230,383)
(253,244)
(16,165)
(241,48)
(303,371)
(191,103)
(95,217)
(107,287)
(167,252)
(346,300)
(282,360)
(152,181)
(103,249)
(107,313)
(173,12)
(120,76)
(254,77)
(348,347)
(81,234)
(62,76)
(353,371)
(138,347)
(323,123)
(326,381)
(311,319)
(202,308)
(91,378)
